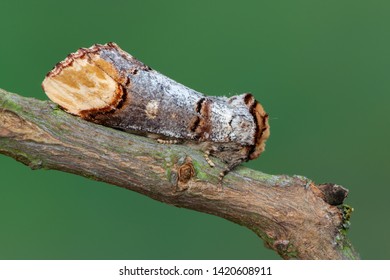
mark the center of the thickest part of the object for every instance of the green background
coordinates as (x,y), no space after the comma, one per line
(320,68)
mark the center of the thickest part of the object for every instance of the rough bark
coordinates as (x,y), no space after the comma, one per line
(294,216)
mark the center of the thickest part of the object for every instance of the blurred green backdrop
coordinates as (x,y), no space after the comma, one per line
(319,67)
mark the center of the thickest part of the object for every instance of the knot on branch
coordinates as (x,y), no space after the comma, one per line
(182,173)
(333,194)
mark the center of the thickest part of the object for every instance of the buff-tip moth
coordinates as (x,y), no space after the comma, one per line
(105,85)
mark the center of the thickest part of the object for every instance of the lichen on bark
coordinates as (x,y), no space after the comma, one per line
(289,213)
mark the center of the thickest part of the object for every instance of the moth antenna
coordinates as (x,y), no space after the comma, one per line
(207,158)
(167,142)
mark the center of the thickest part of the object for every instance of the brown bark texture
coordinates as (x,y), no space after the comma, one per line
(294,216)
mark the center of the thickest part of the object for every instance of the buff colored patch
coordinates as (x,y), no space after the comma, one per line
(152,109)
(263,131)
(107,68)
(78,84)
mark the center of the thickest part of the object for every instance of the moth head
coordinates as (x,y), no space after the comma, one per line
(83,83)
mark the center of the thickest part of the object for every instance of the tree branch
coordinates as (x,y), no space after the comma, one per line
(293,216)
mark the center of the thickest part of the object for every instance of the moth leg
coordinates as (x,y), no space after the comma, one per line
(168,141)
(206,157)
(223,174)
(229,168)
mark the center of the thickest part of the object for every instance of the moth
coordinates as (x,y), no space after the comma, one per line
(105,85)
